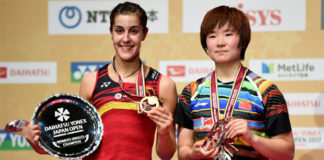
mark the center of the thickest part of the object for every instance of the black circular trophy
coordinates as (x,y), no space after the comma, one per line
(71,127)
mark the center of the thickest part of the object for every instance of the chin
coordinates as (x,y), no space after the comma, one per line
(128,57)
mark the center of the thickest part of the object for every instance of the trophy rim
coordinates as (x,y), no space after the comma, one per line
(99,132)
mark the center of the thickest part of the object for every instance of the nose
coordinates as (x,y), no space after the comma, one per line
(126,37)
(221,41)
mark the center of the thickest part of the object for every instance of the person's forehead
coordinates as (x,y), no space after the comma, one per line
(127,20)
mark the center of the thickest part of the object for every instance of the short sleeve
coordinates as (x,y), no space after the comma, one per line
(183,115)
(277,117)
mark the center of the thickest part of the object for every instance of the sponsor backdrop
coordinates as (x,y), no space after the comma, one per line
(46,47)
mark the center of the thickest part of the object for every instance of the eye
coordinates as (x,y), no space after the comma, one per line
(228,34)
(134,31)
(119,30)
(211,36)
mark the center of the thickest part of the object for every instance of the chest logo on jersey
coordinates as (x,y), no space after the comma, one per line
(119,96)
(105,84)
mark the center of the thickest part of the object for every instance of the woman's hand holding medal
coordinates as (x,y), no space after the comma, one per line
(162,118)
(199,151)
(239,128)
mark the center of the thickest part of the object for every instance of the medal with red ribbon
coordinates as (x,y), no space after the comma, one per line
(145,102)
(217,135)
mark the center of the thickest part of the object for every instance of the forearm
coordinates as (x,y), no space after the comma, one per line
(166,145)
(274,148)
(184,153)
(37,148)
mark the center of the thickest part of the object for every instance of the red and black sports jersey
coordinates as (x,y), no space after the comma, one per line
(127,134)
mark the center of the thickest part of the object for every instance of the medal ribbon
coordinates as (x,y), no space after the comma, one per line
(216,115)
(140,87)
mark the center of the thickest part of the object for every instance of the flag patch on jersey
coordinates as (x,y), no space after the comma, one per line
(245,105)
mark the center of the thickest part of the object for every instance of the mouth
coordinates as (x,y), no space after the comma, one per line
(221,51)
(126,48)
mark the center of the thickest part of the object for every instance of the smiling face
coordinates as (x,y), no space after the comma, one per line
(127,35)
(223,45)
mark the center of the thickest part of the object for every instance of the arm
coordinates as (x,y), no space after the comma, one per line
(280,145)
(163,118)
(191,150)
(33,132)
(87,84)
(277,147)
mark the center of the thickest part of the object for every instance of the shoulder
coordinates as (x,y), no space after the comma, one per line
(87,84)
(193,86)
(262,83)
(89,78)
(266,88)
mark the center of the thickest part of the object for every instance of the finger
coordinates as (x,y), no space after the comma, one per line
(158,111)
(36,138)
(198,144)
(160,117)
(214,153)
(35,127)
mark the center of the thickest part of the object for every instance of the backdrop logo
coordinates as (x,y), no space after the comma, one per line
(263,15)
(176,71)
(308,137)
(186,70)
(28,72)
(11,141)
(3,72)
(289,69)
(70,17)
(92,17)
(267,68)
(80,69)
(305,103)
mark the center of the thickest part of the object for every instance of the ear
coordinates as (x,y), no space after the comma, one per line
(206,50)
(145,33)
(110,31)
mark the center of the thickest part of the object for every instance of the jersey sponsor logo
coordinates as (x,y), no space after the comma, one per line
(200,104)
(176,71)
(120,96)
(155,75)
(105,84)
(80,69)
(3,72)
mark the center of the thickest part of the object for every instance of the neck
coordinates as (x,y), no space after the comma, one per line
(227,72)
(126,69)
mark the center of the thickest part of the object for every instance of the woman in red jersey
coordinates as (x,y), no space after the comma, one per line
(128,131)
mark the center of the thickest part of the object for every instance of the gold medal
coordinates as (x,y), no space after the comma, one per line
(147,103)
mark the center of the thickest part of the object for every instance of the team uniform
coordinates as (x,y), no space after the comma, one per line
(259,102)
(127,135)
